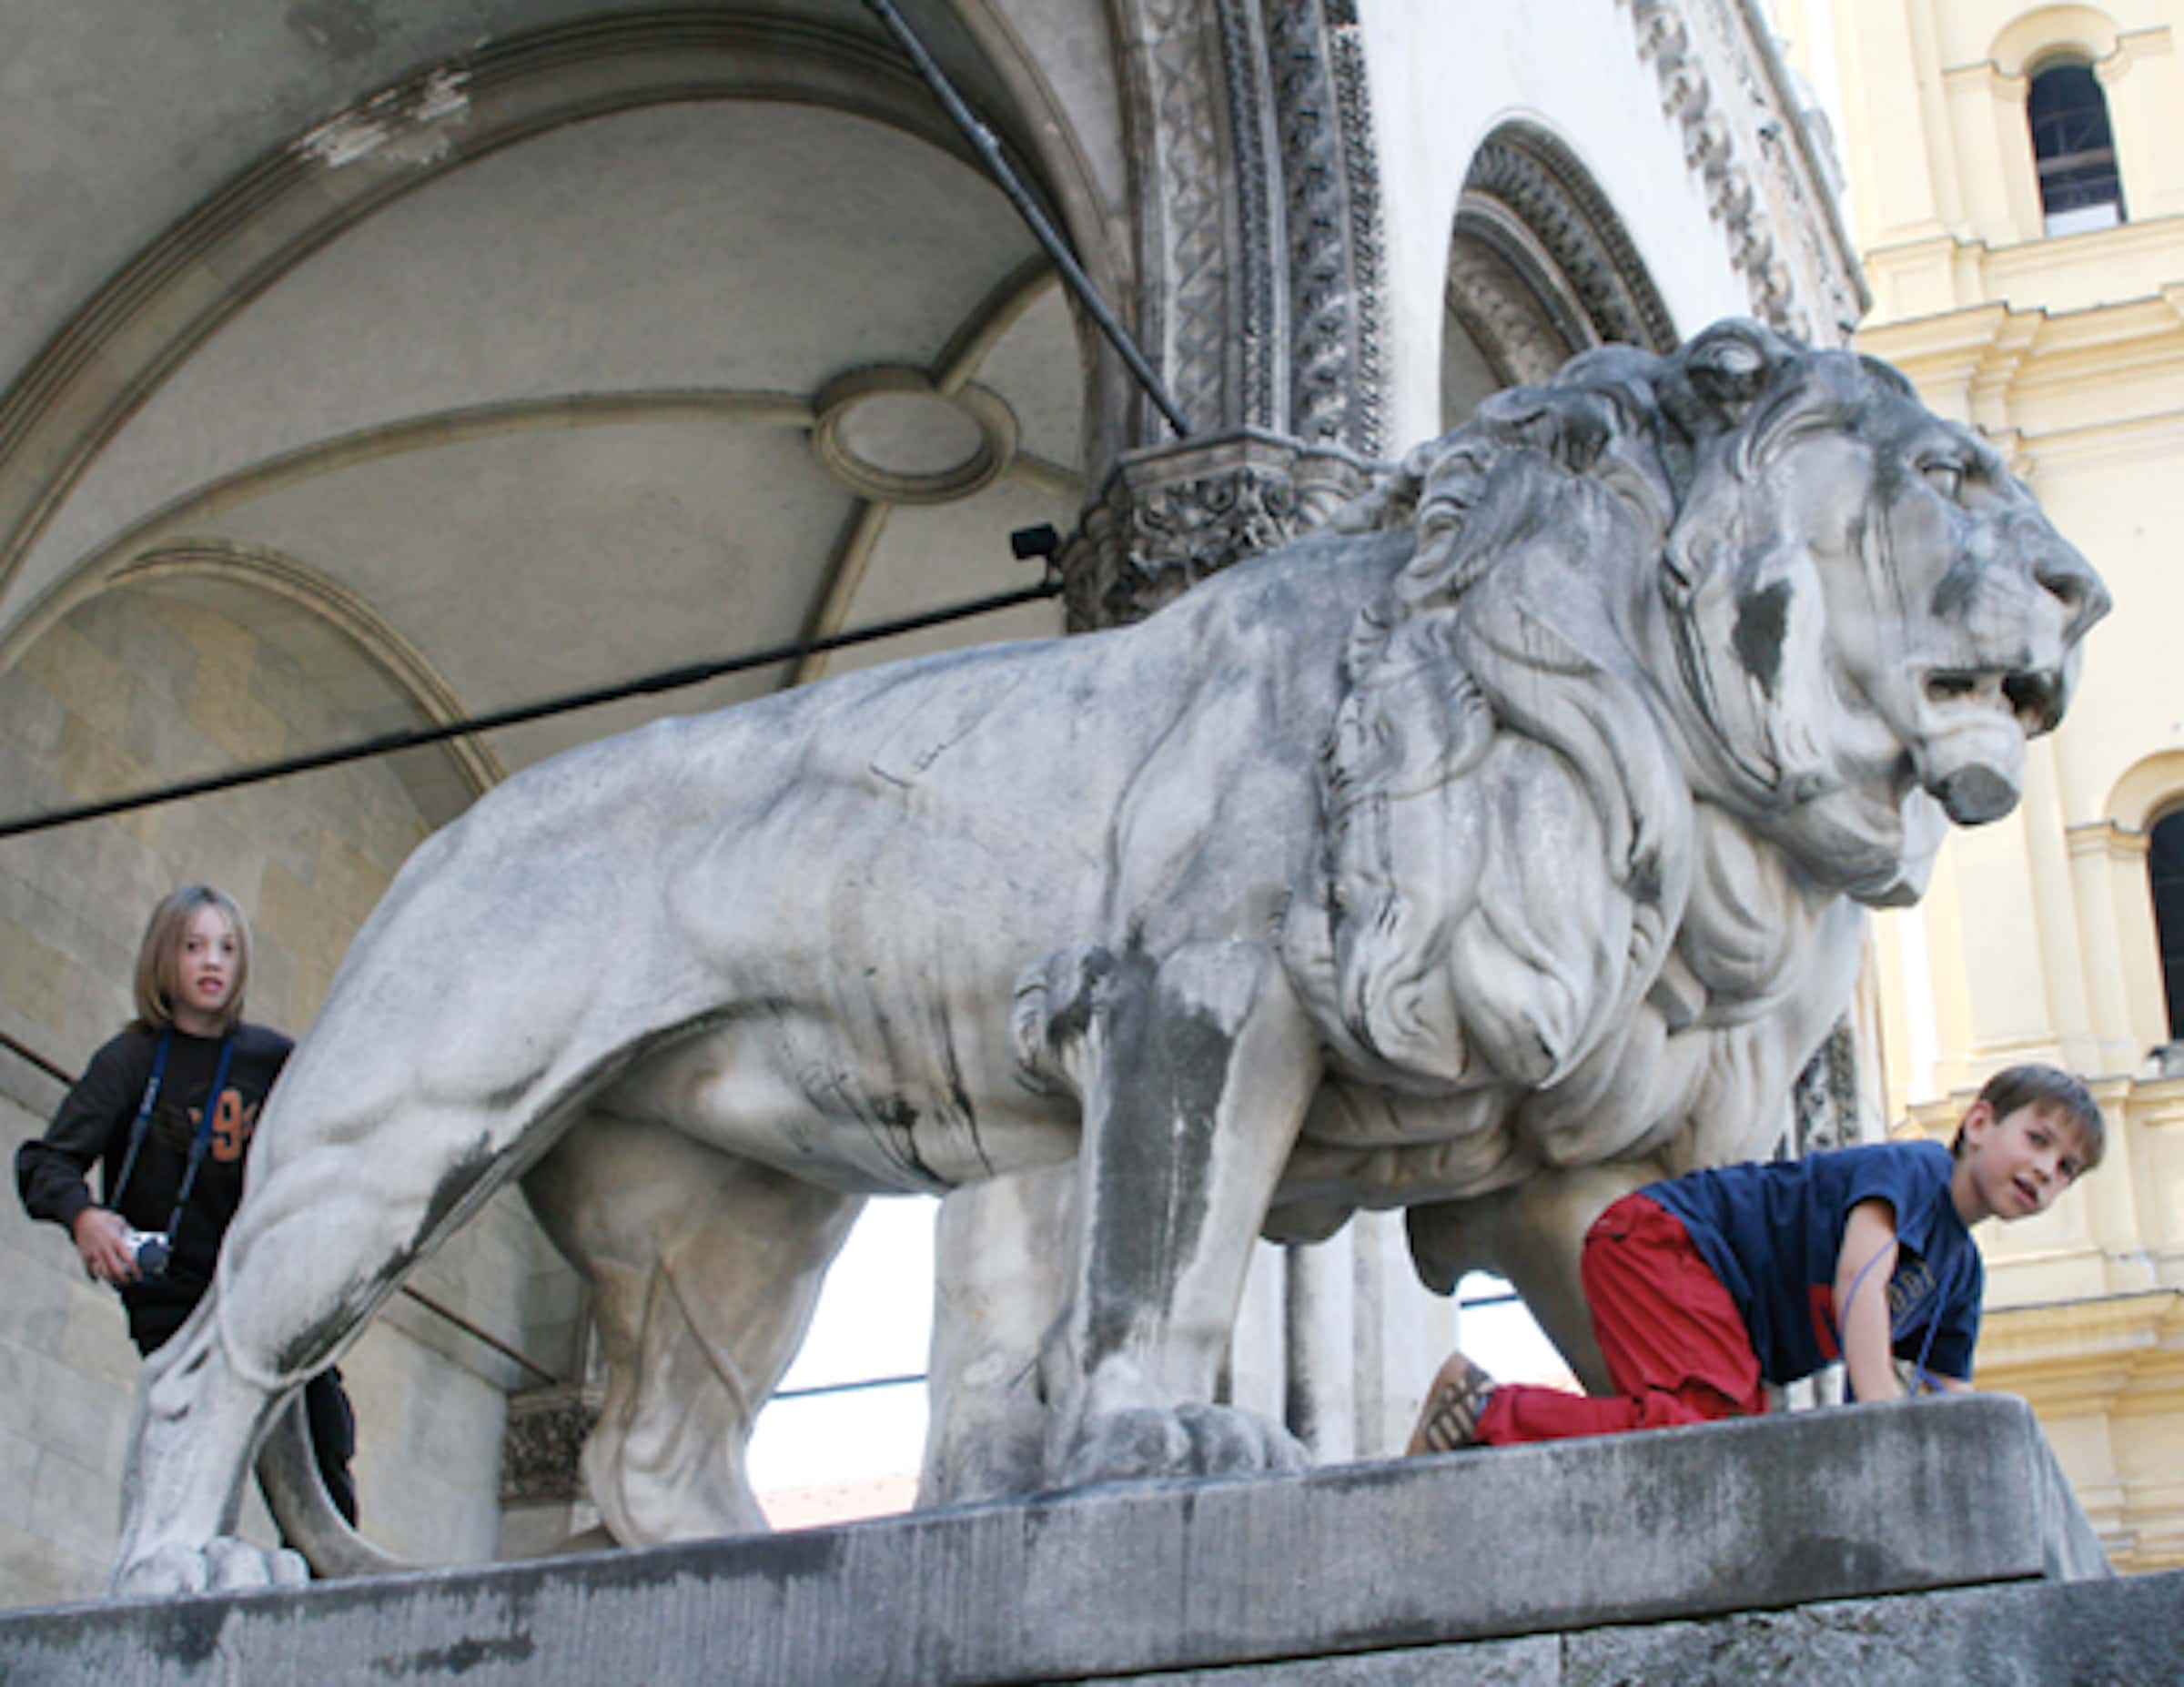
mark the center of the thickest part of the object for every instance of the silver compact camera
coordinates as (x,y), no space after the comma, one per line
(149,1249)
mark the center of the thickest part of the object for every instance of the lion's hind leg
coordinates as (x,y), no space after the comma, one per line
(705,1269)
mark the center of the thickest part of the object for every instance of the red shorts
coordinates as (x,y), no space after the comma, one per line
(1675,1345)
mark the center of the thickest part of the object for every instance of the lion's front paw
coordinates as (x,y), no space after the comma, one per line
(1187,1440)
(221,1565)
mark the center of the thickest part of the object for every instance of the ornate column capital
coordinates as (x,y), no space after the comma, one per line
(1169,515)
(546,1431)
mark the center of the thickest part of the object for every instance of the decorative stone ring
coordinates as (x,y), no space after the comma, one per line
(888,434)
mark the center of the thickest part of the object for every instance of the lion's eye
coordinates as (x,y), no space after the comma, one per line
(1946,478)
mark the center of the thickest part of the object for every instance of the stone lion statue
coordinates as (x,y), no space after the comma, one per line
(1487,856)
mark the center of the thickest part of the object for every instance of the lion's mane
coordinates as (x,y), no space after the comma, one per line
(1510,823)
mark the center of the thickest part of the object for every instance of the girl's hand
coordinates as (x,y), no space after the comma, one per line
(101,1239)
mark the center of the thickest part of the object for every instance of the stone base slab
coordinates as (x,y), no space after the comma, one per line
(2115,1633)
(1541,1564)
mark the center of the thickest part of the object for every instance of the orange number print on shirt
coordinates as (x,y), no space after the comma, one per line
(232,1123)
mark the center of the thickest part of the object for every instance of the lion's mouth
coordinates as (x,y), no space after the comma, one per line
(2034,699)
(1969,753)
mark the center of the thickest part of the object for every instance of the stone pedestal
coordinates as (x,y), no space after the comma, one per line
(1877,1544)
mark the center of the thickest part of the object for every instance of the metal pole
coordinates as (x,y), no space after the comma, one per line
(982,140)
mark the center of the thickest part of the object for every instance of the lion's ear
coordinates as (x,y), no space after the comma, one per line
(1714,381)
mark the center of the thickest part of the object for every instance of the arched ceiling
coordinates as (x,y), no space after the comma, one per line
(121,117)
(548,415)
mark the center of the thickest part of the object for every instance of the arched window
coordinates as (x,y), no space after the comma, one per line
(2073,149)
(2165,867)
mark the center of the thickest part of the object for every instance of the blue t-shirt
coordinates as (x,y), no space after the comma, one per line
(1773,1233)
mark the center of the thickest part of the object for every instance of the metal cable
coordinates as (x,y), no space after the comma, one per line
(389,744)
(989,150)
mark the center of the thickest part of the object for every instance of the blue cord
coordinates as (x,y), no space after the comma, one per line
(1843,1324)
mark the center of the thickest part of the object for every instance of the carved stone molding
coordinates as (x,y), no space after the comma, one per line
(1523,339)
(1726,89)
(1523,179)
(1169,516)
(1186,167)
(1260,207)
(1826,1109)
(1260,369)
(546,1431)
(1330,180)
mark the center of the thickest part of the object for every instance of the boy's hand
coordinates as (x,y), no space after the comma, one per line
(1864,1266)
(101,1240)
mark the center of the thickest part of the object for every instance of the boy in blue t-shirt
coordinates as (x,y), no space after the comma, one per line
(1707,1287)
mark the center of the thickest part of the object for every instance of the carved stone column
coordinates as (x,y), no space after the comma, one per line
(546,1430)
(1825,1105)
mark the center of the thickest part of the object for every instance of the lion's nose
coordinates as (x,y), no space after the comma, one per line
(1975,795)
(2070,579)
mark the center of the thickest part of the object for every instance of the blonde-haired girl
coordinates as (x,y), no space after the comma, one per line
(165,1110)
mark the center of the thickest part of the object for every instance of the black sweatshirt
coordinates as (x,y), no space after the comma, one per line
(92,1128)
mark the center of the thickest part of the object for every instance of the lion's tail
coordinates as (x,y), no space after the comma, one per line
(295,1493)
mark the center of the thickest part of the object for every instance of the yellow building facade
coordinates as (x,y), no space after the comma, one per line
(2016,186)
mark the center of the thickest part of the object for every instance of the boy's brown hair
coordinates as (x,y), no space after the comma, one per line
(2047,1088)
(158,955)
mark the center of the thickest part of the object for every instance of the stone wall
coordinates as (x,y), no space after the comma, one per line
(132,691)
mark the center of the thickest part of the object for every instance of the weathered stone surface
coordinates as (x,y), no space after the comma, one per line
(2010,1634)
(1493,1546)
(2116,1633)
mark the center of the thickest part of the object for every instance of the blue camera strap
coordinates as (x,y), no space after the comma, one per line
(143,1116)
(198,1143)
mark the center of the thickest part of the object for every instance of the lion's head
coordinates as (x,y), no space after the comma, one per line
(1749,591)
(1869,614)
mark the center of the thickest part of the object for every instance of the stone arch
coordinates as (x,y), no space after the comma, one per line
(1541,265)
(378,678)
(2146,806)
(2030,42)
(124,556)
(344,643)
(2149,791)
(121,345)
(195,664)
